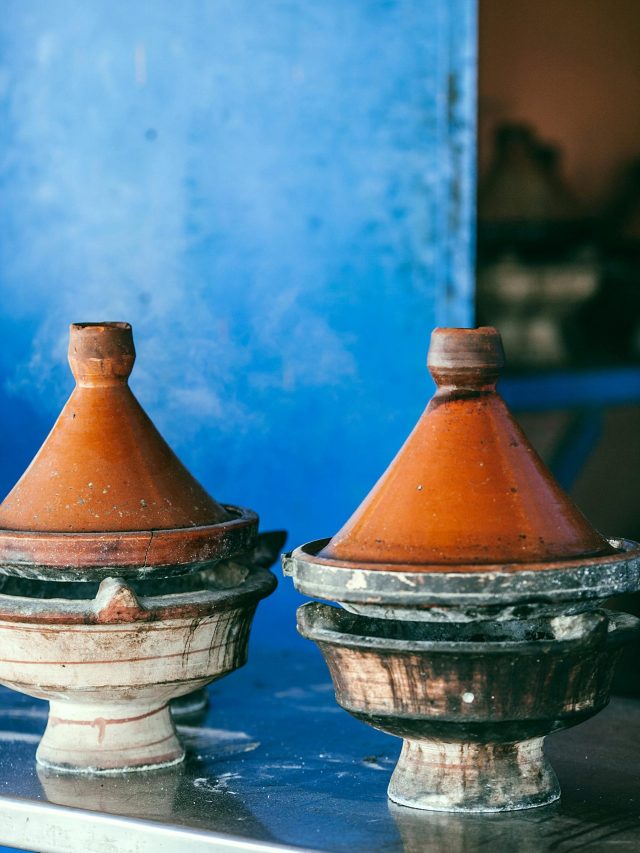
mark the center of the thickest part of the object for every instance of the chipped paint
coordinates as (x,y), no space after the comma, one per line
(358,580)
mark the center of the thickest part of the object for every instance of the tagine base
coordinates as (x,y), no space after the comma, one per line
(108,738)
(473,777)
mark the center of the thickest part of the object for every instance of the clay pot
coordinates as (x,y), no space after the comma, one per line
(475,587)
(105,490)
(525,187)
(467,489)
(492,592)
(110,664)
(117,593)
(473,704)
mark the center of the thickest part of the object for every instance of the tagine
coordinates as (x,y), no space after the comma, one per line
(125,583)
(475,590)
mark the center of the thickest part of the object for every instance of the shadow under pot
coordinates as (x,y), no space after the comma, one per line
(472,702)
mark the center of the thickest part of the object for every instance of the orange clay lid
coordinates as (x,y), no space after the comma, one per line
(466,488)
(105,485)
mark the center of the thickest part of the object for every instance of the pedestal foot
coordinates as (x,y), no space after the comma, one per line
(92,738)
(473,777)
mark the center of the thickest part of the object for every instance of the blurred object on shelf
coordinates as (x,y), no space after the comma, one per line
(532,303)
(524,201)
(612,320)
(537,260)
(624,213)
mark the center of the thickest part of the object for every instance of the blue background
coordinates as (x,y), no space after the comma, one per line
(278,197)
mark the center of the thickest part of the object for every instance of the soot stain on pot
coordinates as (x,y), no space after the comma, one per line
(472,625)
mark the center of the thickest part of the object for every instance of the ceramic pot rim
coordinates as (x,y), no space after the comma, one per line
(464,586)
(115,603)
(139,553)
(322,624)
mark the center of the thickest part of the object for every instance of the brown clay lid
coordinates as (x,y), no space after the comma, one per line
(105,489)
(467,488)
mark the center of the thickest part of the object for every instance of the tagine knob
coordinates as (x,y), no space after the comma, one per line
(101,353)
(468,358)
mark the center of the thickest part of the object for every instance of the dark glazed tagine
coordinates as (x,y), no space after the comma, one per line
(475,588)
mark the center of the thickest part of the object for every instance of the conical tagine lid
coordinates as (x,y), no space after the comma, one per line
(466,489)
(105,489)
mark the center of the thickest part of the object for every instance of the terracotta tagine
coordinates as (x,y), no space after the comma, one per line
(475,588)
(449,498)
(105,490)
(125,585)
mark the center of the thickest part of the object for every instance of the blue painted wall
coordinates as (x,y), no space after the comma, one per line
(277,194)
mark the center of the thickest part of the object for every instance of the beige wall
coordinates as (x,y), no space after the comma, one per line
(572,69)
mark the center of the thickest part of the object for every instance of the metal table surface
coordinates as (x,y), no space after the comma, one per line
(274,763)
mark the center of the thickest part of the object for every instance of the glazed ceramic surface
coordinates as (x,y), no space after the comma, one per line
(104,465)
(105,490)
(467,488)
